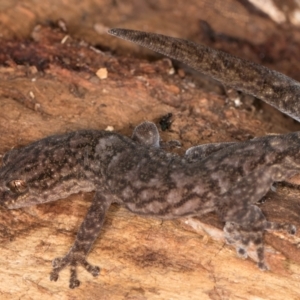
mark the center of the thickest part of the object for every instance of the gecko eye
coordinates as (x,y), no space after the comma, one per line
(17,186)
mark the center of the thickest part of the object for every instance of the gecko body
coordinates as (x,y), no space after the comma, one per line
(147,180)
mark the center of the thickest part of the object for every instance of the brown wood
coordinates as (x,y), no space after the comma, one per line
(49,85)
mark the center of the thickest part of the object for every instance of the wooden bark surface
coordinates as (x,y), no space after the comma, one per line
(49,85)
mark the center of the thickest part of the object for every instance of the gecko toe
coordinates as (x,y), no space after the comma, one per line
(56,262)
(94,270)
(53,276)
(74,284)
(262,266)
(292,229)
(242,253)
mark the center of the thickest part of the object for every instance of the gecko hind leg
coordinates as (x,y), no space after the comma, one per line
(244,222)
(244,240)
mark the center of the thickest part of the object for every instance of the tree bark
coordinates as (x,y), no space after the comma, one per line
(49,85)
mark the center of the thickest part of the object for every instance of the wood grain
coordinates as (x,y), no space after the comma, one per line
(51,87)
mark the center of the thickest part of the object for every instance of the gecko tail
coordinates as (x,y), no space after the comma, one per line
(268,85)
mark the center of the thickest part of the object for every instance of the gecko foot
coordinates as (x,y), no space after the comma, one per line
(243,239)
(289,228)
(73,260)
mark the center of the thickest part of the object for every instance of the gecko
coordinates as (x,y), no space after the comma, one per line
(139,174)
(149,181)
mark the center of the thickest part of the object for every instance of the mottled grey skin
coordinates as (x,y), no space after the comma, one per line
(273,87)
(149,181)
(202,151)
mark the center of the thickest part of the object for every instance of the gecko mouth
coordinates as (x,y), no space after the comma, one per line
(21,201)
(7,201)
(3,196)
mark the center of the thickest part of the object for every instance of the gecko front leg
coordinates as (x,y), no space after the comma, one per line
(87,234)
(245,222)
(147,134)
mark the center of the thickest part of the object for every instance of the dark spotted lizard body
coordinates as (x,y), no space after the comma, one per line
(227,179)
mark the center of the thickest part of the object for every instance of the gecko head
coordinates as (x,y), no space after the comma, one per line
(13,193)
(43,171)
(22,179)
(15,190)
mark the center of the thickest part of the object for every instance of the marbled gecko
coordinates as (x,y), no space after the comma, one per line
(137,173)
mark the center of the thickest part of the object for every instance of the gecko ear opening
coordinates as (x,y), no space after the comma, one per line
(17,186)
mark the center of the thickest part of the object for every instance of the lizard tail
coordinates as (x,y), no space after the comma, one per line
(268,85)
